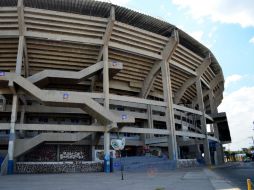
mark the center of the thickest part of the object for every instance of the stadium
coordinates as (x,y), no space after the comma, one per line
(75,74)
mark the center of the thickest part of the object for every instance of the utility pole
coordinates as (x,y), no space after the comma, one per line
(252,140)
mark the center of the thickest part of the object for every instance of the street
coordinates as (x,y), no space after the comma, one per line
(237,174)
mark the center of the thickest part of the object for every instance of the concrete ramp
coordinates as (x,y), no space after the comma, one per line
(67,99)
(24,145)
(75,77)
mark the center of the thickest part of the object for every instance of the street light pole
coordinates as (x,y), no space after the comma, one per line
(252,140)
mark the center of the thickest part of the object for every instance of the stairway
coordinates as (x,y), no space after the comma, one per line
(68,99)
(24,145)
(114,67)
(144,163)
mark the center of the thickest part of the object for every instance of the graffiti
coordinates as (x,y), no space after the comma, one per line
(58,167)
(186,163)
(74,153)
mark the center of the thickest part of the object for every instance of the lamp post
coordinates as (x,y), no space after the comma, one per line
(118,144)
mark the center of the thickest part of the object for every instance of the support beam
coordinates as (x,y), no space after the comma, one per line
(22,42)
(22,114)
(200,71)
(2,103)
(166,54)
(203,122)
(26,60)
(12,136)
(108,32)
(219,148)
(167,92)
(150,118)
(19,60)
(106,39)
(106,105)
(218,78)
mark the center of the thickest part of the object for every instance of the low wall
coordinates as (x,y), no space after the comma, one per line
(187,163)
(58,167)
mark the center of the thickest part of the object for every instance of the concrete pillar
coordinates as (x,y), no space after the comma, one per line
(203,121)
(93,146)
(106,100)
(167,93)
(20,55)
(198,152)
(150,119)
(219,149)
(22,118)
(58,153)
(10,168)
(106,143)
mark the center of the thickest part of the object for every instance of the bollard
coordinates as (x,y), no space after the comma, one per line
(249,184)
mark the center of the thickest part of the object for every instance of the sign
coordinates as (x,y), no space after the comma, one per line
(118,144)
(117,164)
(65,96)
(124,117)
(114,63)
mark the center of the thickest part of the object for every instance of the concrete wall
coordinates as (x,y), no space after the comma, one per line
(58,167)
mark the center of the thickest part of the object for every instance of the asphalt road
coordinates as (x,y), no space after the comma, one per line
(238,174)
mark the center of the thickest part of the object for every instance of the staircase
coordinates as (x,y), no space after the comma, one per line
(24,145)
(67,99)
(144,163)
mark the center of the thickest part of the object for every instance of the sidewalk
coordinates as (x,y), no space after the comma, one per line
(219,182)
(183,179)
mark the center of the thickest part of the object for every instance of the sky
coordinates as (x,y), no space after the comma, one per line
(226,27)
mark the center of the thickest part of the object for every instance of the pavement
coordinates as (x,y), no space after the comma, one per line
(237,172)
(180,179)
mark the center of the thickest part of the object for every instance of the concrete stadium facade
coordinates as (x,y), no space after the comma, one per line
(76,74)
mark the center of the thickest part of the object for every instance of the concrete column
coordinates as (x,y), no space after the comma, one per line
(106,98)
(22,118)
(198,152)
(20,55)
(150,119)
(105,77)
(203,121)
(219,149)
(58,153)
(167,93)
(10,168)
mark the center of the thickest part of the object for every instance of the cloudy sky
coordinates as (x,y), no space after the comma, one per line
(227,28)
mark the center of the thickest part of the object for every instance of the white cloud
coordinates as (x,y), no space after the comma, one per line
(252,40)
(226,11)
(212,31)
(239,106)
(232,78)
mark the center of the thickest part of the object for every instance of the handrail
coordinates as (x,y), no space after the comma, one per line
(4,165)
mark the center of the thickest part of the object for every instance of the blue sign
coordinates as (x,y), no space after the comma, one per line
(124,117)
(2,73)
(117,164)
(114,63)
(65,96)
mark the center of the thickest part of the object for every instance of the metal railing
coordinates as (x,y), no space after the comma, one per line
(4,165)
